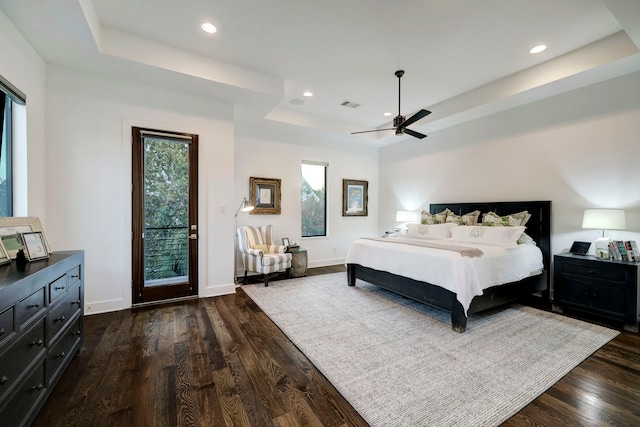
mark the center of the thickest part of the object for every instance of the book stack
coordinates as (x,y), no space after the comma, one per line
(624,250)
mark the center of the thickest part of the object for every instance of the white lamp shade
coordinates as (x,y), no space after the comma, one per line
(604,219)
(405,216)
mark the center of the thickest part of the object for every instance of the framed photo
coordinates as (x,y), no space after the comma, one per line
(265,196)
(285,241)
(4,256)
(34,246)
(355,197)
(11,228)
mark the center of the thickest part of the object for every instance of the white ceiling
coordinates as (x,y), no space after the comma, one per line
(462,58)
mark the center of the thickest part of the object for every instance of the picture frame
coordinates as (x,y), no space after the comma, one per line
(265,195)
(10,229)
(34,245)
(4,255)
(355,197)
(285,241)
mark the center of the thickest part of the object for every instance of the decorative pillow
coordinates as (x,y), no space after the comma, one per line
(430,231)
(525,239)
(263,248)
(492,219)
(437,218)
(427,218)
(467,219)
(506,237)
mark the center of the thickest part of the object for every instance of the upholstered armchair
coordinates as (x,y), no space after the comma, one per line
(259,254)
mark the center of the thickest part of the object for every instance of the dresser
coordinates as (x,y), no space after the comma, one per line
(606,289)
(41,309)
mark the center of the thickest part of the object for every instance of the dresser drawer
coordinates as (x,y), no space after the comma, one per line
(23,401)
(20,355)
(73,275)
(594,272)
(63,313)
(57,288)
(63,349)
(30,307)
(6,327)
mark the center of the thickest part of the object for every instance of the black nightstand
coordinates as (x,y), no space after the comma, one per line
(606,289)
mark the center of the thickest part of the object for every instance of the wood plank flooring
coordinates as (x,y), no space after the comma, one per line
(222,362)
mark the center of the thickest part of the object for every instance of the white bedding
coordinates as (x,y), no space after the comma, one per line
(464,276)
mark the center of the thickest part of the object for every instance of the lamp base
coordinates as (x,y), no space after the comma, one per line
(602,247)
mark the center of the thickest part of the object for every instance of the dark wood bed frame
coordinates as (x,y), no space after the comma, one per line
(538,227)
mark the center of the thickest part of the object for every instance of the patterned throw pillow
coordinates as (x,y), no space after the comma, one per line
(437,218)
(492,219)
(467,219)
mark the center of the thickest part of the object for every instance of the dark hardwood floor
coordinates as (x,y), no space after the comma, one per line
(221,362)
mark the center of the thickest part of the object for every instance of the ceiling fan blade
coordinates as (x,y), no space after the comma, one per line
(373,130)
(417,116)
(414,133)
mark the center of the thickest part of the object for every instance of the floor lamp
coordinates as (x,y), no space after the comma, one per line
(245,206)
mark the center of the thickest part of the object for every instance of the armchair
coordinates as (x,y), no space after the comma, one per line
(259,254)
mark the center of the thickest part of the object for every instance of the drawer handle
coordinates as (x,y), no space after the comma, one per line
(37,343)
(59,288)
(76,302)
(37,387)
(77,332)
(36,305)
(1,331)
(60,319)
(75,276)
(4,379)
(60,355)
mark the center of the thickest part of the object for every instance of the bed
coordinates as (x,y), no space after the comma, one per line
(538,227)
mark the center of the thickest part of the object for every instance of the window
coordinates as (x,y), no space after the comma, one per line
(314,199)
(9,96)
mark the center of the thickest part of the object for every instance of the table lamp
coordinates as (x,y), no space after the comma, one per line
(404,217)
(603,219)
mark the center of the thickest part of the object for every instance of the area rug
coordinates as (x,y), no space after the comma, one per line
(399,363)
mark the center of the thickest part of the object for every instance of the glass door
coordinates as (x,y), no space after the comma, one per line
(165,228)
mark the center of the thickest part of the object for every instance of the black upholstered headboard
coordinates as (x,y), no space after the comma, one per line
(538,226)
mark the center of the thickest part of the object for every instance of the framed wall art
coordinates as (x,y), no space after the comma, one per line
(265,196)
(10,229)
(355,197)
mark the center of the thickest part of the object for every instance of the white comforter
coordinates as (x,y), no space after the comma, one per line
(466,277)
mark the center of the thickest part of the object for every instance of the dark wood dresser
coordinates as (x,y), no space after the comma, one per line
(605,289)
(41,311)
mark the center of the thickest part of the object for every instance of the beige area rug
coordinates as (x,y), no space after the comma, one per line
(399,363)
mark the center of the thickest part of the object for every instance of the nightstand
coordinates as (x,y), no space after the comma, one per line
(607,289)
(298,262)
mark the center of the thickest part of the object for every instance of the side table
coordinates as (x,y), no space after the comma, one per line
(298,262)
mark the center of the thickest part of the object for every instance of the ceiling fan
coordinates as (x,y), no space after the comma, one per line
(399,122)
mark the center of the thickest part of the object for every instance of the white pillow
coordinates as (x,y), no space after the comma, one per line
(506,237)
(430,231)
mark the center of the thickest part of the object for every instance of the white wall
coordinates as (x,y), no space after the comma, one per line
(580,150)
(89,120)
(269,158)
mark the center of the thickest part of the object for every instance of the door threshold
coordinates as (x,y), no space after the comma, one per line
(163,301)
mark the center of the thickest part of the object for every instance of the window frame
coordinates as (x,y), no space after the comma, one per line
(325,166)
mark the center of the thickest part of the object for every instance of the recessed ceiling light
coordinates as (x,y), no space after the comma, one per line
(538,48)
(209,27)
(387,114)
(307,94)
